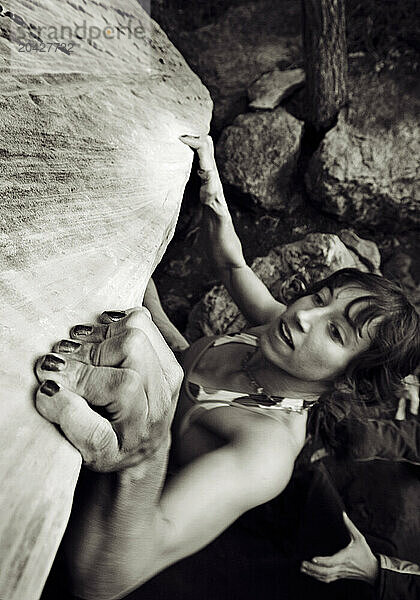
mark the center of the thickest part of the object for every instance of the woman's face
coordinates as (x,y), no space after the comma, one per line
(313,340)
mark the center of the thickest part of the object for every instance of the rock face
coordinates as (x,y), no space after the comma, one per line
(286,271)
(257,156)
(92,178)
(365,253)
(271,88)
(366,170)
(246,42)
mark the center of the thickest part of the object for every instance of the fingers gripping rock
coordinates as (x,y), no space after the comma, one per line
(90,433)
(119,394)
(111,323)
(126,373)
(145,337)
(138,322)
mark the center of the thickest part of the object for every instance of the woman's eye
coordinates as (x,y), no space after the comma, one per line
(318,300)
(336,335)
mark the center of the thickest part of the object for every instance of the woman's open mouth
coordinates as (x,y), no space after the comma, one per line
(285,334)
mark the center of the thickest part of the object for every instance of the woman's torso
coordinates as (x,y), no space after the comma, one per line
(219,368)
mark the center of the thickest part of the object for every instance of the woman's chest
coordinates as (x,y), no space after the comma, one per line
(218,366)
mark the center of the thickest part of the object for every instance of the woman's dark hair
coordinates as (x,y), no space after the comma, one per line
(374,378)
(375,375)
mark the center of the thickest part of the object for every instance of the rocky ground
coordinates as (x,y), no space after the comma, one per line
(282,182)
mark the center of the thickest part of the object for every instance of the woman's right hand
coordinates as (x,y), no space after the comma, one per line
(409,398)
(221,241)
(112,389)
(211,192)
(355,561)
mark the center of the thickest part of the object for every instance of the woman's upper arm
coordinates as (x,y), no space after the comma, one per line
(210,493)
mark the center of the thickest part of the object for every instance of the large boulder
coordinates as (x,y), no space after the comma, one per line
(244,43)
(258,154)
(366,170)
(286,271)
(93,175)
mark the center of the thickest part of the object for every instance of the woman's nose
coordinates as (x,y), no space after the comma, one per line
(304,319)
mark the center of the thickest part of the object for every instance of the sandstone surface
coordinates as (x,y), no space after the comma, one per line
(92,176)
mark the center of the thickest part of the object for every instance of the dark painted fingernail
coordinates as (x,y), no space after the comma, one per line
(68,346)
(49,388)
(115,315)
(82,330)
(53,363)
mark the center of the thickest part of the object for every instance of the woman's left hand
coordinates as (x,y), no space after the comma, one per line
(355,561)
(112,389)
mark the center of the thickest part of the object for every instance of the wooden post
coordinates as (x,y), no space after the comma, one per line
(325,48)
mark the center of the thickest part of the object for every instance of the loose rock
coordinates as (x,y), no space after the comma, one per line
(273,87)
(365,252)
(244,43)
(257,156)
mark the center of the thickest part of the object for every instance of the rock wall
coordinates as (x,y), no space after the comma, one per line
(239,47)
(258,156)
(92,176)
(366,170)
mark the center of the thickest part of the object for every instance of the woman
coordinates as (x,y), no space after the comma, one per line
(128,524)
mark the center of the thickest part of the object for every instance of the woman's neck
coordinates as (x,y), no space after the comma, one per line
(278,382)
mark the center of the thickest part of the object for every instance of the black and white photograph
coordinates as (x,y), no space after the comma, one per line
(210,299)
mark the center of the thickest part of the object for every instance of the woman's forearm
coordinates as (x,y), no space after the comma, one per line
(244,286)
(222,242)
(126,530)
(112,540)
(223,245)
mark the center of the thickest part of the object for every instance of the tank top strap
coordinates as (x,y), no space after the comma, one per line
(241,338)
(205,398)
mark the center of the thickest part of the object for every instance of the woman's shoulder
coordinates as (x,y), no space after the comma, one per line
(260,429)
(189,355)
(289,426)
(270,448)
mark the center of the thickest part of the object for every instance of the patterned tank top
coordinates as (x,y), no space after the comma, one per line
(210,398)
